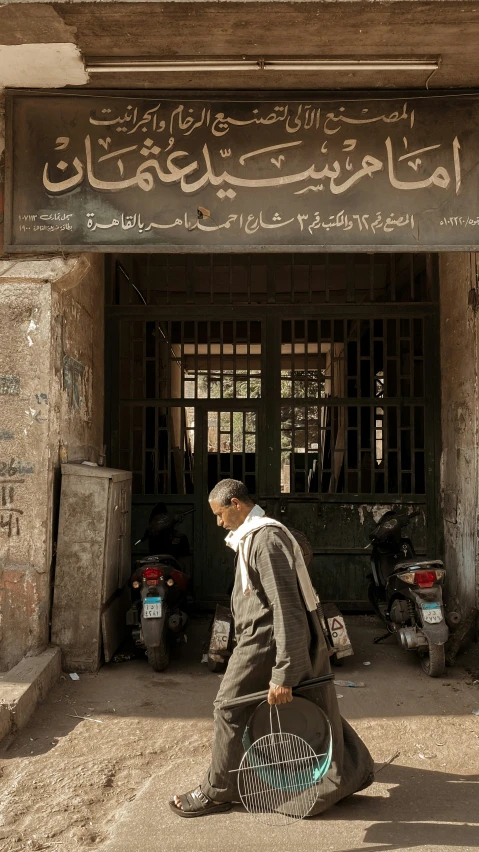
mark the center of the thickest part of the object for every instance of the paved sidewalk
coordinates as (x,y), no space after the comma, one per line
(102,782)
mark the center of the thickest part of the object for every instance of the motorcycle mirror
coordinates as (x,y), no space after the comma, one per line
(404,520)
(178,519)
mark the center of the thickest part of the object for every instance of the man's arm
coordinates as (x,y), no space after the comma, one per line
(274,565)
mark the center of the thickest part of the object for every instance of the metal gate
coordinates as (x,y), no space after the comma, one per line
(312,378)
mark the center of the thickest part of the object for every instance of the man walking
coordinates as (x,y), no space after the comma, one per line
(279,644)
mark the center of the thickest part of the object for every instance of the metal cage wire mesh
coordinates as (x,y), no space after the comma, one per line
(279,775)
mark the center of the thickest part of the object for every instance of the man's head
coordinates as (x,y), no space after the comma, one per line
(231,503)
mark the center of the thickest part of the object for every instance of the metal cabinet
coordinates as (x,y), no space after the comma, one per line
(91,594)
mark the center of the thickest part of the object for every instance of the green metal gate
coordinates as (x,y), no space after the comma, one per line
(312,378)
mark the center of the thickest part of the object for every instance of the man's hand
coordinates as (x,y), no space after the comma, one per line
(279,694)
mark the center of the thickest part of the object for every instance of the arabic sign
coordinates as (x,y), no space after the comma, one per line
(157,174)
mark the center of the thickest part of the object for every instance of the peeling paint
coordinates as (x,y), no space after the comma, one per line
(42,66)
(376,511)
(31,327)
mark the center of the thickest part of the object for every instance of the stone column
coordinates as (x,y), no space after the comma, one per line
(459,303)
(51,407)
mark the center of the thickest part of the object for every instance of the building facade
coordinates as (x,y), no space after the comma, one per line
(225,257)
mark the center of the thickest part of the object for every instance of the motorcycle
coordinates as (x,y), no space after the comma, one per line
(221,639)
(163,536)
(406,592)
(158,616)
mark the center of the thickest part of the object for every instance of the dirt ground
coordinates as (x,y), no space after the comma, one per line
(102,782)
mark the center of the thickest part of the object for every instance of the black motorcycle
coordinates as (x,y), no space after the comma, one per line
(163,535)
(406,592)
(158,614)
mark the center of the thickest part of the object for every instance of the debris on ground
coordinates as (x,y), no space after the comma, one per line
(387,762)
(86,718)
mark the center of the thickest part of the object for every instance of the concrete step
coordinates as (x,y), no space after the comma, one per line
(25,686)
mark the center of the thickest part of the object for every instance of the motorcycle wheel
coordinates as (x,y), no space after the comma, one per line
(159,657)
(434,662)
(373,600)
(216,665)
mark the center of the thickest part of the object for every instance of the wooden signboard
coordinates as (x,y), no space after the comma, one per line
(97,171)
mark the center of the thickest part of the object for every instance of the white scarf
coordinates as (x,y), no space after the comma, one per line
(240,541)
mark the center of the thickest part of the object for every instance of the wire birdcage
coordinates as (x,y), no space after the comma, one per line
(279,775)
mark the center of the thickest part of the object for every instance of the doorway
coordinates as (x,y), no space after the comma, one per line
(314,378)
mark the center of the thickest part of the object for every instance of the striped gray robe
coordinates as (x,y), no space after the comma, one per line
(273,638)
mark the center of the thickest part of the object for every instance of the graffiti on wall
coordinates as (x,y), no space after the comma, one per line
(12,472)
(73,372)
(9,385)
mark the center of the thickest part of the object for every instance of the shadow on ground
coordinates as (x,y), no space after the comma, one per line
(424,809)
(395,687)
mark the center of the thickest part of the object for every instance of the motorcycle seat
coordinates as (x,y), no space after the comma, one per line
(418,563)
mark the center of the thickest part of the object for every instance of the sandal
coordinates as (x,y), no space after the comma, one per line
(196,804)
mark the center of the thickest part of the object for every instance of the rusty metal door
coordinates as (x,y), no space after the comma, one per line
(313,379)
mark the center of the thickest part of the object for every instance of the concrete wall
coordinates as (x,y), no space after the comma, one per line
(460,425)
(51,400)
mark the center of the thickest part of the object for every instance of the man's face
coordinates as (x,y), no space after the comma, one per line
(230,517)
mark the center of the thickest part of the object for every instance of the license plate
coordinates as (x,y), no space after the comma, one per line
(431,613)
(221,635)
(339,634)
(152,608)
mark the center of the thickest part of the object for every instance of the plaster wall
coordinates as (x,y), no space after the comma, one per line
(2,167)
(51,400)
(78,343)
(460,420)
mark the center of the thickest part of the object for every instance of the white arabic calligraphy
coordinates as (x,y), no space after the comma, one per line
(174,172)
(253,222)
